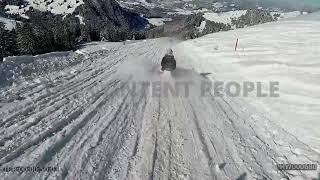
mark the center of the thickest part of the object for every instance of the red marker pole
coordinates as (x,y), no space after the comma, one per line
(235,48)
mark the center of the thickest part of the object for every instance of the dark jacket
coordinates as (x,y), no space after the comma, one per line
(168,63)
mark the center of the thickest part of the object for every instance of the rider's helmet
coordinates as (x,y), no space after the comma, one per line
(170,51)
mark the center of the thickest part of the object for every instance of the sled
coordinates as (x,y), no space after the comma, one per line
(168,68)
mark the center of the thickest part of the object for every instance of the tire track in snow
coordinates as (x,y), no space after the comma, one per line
(71,84)
(126,123)
(78,109)
(58,127)
(69,93)
(202,139)
(155,149)
(89,116)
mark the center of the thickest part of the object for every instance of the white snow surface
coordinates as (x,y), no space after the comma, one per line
(286,15)
(63,7)
(202,26)
(9,23)
(80,117)
(284,51)
(187,12)
(217,5)
(224,17)
(128,4)
(158,21)
(81,19)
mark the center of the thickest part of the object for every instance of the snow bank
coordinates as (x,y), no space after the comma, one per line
(283,51)
(18,68)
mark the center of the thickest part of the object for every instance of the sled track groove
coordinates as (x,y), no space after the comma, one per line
(205,148)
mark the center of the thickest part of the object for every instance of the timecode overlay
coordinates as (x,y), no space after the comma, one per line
(31,169)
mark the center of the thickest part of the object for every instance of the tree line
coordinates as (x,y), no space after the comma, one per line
(252,17)
(41,33)
(44,32)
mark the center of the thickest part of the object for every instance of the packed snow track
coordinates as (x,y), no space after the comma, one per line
(81,119)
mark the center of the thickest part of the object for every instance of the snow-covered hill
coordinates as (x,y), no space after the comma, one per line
(287,51)
(224,17)
(158,21)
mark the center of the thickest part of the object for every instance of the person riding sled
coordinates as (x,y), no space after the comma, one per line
(168,62)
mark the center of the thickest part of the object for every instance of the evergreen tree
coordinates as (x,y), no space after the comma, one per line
(252,17)
(2,44)
(8,43)
(26,39)
(65,40)
(44,39)
(114,33)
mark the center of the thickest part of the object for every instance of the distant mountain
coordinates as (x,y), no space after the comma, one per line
(53,25)
(41,26)
(290,5)
(97,11)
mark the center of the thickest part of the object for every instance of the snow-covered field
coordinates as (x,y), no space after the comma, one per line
(127,4)
(286,15)
(287,52)
(81,118)
(224,17)
(187,12)
(158,21)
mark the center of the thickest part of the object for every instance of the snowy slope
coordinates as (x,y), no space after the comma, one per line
(158,21)
(187,12)
(9,23)
(286,15)
(224,17)
(129,4)
(82,118)
(284,51)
